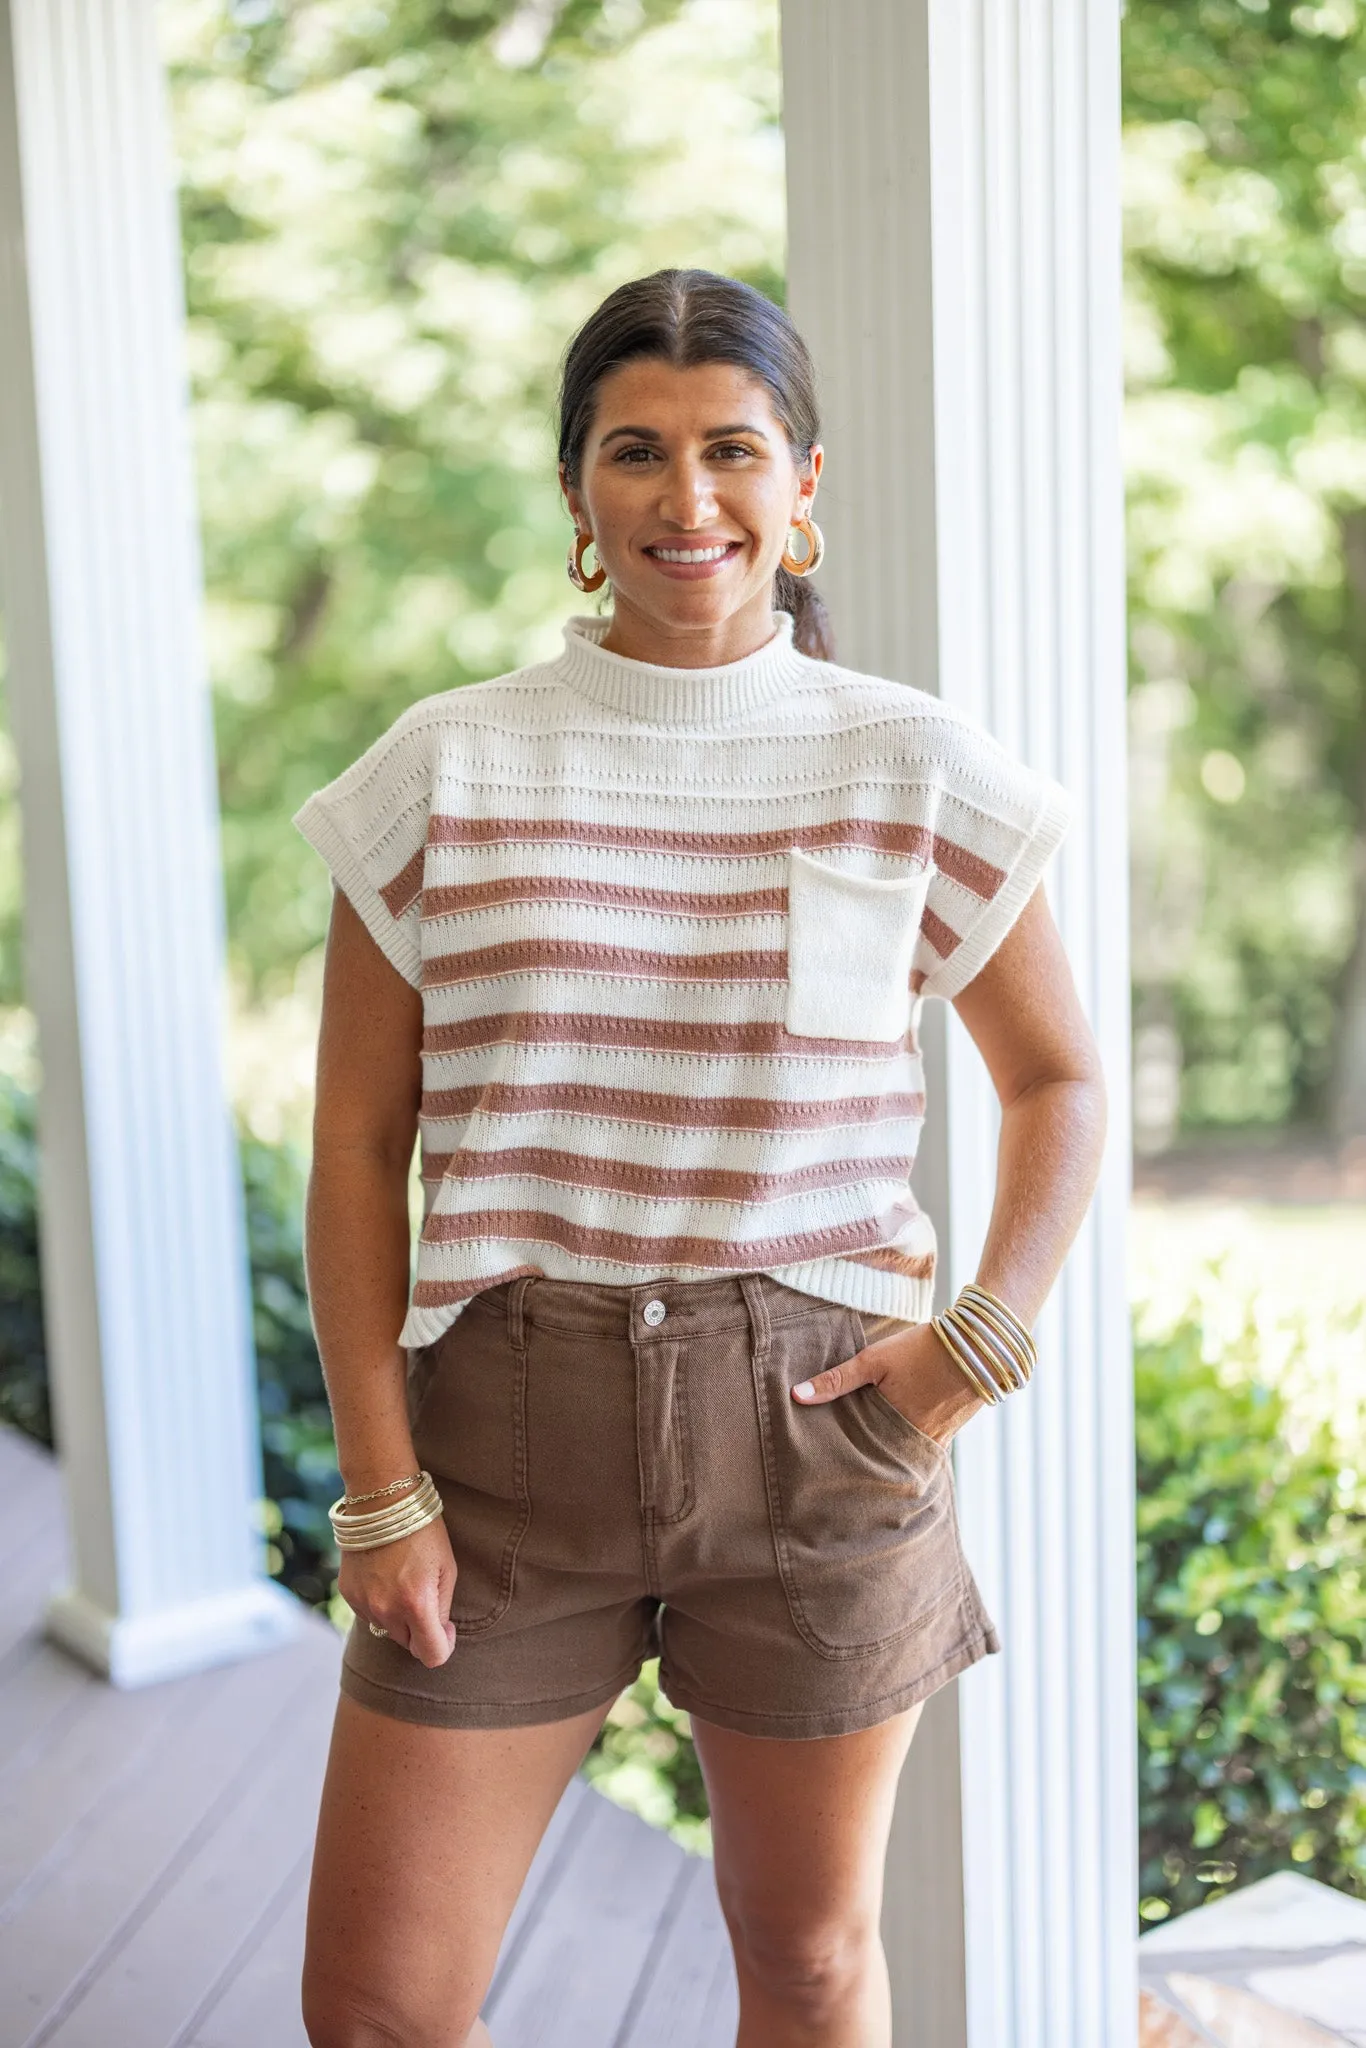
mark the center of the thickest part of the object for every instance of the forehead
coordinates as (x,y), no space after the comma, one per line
(649,393)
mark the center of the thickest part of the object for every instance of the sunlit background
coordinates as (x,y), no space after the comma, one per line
(393,218)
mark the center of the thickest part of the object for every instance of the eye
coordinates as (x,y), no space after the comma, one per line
(730,449)
(628,455)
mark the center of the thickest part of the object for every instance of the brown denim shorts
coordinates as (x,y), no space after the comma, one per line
(625,1475)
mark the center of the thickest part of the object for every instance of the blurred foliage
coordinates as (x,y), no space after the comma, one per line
(1252,1630)
(1245,240)
(644,1759)
(298,1454)
(395,213)
(23,1358)
(394,218)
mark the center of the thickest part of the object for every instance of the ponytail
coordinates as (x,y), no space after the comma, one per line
(812,632)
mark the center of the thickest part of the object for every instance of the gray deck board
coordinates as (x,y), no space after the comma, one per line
(585,1949)
(690,1977)
(155,1849)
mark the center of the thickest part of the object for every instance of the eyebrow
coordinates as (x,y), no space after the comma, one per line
(712,433)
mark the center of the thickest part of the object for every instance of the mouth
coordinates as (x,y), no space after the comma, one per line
(697,560)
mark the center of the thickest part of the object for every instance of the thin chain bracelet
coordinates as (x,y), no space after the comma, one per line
(351,1500)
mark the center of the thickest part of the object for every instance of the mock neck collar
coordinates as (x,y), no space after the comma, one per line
(659,695)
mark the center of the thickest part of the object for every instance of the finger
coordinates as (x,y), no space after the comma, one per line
(429,1639)
(836,1380)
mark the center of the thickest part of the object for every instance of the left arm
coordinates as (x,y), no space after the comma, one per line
(1024,1016)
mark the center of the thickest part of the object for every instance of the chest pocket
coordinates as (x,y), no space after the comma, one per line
(850,939)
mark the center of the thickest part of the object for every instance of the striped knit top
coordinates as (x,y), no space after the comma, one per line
(672,929)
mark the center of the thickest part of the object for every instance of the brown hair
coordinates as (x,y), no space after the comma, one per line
(688,317)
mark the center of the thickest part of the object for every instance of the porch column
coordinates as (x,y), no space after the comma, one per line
(143,1251)
(954,261)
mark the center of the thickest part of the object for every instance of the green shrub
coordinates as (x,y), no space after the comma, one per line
(644,1759)
(23,1358)
(1252,1633)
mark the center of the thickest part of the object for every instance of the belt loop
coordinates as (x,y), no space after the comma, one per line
(752,1287)
(516,1314)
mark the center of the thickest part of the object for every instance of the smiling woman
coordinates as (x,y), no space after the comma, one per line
(689,448)
(637,940)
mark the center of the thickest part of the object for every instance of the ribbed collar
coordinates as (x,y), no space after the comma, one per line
(659,695)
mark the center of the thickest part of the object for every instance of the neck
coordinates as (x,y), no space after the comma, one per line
(666,645)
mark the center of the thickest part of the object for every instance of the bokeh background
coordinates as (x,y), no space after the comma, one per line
(394,216)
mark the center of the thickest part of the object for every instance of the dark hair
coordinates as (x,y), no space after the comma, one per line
(688,317)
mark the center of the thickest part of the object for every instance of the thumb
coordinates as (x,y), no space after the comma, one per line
(836,1380)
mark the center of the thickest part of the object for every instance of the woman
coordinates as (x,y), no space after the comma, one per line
(637,939)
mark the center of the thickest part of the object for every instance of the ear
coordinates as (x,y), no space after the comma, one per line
(572,498)
(808,479)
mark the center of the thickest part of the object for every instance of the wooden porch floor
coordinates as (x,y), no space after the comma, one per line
(155,1849)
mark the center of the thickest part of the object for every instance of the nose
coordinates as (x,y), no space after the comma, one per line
(688,500)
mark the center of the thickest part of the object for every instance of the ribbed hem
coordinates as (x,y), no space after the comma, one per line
(861,1287)
(866,1288)
(654,694)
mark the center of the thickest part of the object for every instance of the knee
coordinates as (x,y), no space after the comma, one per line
(817,1969)
(335,2016)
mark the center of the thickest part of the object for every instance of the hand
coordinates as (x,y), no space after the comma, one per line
(913,1371)
(405,1587)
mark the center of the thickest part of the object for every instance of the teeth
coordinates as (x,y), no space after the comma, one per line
(690,554)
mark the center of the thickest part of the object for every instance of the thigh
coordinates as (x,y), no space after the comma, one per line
(800,1828)
(424,1838)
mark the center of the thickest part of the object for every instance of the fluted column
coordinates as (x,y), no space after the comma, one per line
(954,260)
(143,1259)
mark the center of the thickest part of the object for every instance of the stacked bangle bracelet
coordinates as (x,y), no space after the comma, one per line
(988,1343)
(384,1525)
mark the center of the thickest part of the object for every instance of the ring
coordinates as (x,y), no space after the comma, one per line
(378,1631)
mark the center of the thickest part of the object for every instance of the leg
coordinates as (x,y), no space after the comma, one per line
(424,1839)
(800,1833)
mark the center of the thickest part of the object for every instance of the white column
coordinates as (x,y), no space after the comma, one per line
(954,262)
(143,1251)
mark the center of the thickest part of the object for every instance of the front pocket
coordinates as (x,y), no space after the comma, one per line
(860,1501)
(470,1433)
(850,939)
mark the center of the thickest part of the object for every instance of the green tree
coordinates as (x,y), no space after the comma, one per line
(1246,249)
(394,217)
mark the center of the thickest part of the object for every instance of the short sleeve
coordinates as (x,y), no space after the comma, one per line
(370,826)
(997,822)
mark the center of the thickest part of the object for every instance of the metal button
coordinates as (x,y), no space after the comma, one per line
(654,1312)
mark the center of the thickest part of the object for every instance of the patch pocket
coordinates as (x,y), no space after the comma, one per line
(860,1502)
(469,1431)
(850,939)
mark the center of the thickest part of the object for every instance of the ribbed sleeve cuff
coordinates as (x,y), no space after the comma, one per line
(394,938)
(969,958)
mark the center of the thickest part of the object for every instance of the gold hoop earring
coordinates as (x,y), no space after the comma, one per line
(815,549)
(573,567)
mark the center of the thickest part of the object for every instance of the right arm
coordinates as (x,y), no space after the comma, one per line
(356,1253)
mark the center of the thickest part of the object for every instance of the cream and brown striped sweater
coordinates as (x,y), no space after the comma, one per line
(672,928)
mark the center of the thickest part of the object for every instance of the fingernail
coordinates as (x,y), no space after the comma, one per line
(805,1392)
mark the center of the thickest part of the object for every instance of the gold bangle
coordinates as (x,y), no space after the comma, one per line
(346,1540)
(982,1353)
(950,1340)
(1005,1330)
(383,1516)
(388,1524)
(996,1311)
(987,1336)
